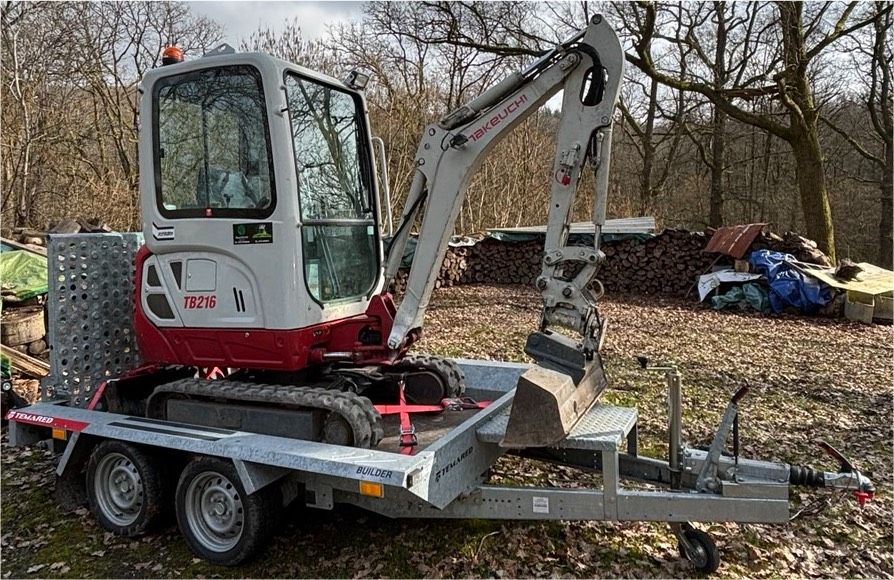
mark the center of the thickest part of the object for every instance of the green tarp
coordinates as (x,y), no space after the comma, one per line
(23,274)
(751,294)
(574,239)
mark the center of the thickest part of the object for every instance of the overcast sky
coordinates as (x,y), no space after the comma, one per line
(241,18)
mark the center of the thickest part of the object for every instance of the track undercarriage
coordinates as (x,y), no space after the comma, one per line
(336,405)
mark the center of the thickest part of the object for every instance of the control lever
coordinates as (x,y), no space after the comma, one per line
(707,479)
(865,490)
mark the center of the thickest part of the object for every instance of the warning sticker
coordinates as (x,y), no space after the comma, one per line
(540,505)
(253,233)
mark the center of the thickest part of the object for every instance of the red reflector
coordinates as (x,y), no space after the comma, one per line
(207,212)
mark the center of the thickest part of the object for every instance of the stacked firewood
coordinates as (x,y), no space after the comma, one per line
(668,264)
(453,270)
(665,264)
(494,262)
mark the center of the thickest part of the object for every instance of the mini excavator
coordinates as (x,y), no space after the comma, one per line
(264,264)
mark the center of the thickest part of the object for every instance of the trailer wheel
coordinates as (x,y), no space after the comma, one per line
(220,522)
(702,551)
(126,488)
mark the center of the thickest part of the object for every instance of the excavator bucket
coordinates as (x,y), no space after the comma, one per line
(554,394)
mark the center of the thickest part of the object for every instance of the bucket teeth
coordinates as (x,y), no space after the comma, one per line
(552,396)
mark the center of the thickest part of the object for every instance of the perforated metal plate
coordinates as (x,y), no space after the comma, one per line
(90,312)
(603,428)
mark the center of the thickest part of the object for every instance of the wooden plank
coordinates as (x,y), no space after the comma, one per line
(25,364)
(29,247)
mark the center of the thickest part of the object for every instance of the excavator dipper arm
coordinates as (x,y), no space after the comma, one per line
(589,68)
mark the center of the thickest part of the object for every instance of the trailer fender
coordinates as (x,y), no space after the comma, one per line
(256,476)
(71,487)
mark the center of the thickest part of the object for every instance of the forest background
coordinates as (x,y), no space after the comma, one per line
(731,112)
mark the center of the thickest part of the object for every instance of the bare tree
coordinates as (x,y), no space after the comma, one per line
(656,145)
(34,54)
(877,100)
(791,86)
(69,84)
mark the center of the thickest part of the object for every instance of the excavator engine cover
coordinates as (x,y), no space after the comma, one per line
(552,396)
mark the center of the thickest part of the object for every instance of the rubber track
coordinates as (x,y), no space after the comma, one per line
(364,421)
(448,370)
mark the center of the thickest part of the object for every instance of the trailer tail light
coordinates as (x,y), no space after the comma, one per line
(372,489)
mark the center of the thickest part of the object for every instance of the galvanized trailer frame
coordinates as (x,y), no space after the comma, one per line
(445,479)
(92,342)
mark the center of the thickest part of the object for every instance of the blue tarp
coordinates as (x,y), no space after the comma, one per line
(788,285)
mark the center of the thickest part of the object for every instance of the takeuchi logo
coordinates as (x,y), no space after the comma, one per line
(499,117)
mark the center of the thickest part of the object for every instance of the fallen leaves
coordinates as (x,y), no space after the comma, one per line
(811,378)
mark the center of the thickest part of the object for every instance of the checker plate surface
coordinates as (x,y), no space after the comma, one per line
(603,428)
(89,312)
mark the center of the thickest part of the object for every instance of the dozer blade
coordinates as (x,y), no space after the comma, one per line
(552,396)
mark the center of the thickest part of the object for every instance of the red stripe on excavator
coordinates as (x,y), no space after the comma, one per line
(44,421)
(261,348)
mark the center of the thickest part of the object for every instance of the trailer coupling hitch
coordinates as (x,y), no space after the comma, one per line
(847,477)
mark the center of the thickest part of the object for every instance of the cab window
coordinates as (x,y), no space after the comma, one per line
(212,153)
(339,233)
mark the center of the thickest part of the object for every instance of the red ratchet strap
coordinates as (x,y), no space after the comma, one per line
(408,438)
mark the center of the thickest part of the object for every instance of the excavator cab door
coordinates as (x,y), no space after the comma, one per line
(333,163)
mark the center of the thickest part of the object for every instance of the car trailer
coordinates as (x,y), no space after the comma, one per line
(227,486)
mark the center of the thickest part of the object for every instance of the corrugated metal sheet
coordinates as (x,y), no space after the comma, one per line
(634,225)
(734,240)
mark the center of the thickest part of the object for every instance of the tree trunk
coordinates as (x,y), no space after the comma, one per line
(646,192)
(885,226)
(718,140)
(718,144)
(797,96)
(809,173)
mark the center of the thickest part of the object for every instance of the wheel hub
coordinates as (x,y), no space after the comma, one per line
(214,511)
(119,489)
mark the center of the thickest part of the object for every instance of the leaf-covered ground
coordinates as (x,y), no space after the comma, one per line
(811,378)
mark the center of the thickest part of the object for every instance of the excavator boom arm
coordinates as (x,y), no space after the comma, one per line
(589,67)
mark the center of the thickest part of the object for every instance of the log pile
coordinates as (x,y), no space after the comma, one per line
(495,262)
(666,264)
(801,248)
(453,270)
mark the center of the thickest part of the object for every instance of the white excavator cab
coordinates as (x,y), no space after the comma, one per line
(258,187)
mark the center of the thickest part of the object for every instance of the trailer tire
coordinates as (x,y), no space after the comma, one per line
(706,557)
(127,488)
(219,520)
